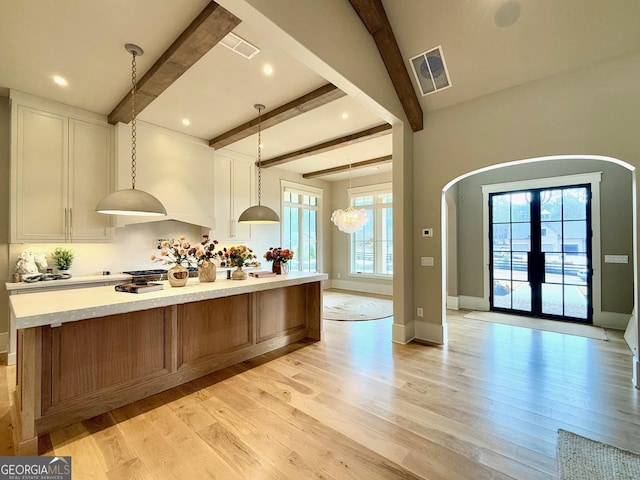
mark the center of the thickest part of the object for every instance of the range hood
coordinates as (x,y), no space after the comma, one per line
(208,223)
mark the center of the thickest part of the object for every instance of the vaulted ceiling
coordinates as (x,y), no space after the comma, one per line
(489,45)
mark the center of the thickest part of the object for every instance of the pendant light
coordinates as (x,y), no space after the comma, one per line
(259,214)
(132,201)
(351,219)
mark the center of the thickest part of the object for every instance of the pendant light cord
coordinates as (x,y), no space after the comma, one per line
(259,153)
(133,120)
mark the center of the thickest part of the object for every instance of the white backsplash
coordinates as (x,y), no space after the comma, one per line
(133,246)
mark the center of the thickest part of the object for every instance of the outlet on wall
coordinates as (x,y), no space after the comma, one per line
(420,312)
(338,275)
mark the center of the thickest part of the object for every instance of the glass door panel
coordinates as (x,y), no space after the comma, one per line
(541,252)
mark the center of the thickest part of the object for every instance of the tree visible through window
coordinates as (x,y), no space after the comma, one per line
(300,212)
(372,246)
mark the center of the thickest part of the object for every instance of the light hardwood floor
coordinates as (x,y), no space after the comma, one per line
(356,406)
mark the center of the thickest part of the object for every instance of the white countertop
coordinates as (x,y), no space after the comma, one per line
(69,282)
(50,308)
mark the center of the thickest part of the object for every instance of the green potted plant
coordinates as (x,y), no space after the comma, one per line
(63,258)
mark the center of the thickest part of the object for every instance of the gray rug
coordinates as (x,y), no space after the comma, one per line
(346,307)
(580,458)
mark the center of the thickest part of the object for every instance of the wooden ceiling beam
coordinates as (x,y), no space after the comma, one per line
(209,27)
(374,18)
(352,139)
(353,166)
(319,97)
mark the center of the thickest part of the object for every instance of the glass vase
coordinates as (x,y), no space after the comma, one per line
(280,268)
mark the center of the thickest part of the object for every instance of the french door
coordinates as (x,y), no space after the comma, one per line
(540,253)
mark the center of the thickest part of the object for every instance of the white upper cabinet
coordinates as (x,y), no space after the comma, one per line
(61,166)
(233,195)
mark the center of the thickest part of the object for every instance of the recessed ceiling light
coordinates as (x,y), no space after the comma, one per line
(60,81)
(186,122)
(345,115)
(267,70)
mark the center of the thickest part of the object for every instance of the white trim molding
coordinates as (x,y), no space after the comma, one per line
(402,334)
(363,287)
(452,303)
(431,332)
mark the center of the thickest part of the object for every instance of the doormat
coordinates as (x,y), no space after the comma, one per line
(567,328)
(347,307)
(581,458)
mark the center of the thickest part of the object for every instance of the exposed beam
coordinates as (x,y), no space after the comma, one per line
(373,16)
(353,166)
(209,27)
(352,139)
(319,97)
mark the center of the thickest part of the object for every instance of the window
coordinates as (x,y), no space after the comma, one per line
(372,246)
(300,213)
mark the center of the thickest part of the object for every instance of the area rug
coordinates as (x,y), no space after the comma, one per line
(348,307)
(576,329)
(580,458)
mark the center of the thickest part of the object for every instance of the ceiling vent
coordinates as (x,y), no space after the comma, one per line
(430,70)
(239,45)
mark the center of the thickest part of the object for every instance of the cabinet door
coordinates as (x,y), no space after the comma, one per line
(91,168)
(41,167)
(223,177)
(242,198)
(233,187)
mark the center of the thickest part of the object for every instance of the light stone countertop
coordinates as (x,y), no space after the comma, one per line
(69,282)
(56,307)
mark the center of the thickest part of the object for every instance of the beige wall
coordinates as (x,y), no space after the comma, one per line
(615,234)
(594,110)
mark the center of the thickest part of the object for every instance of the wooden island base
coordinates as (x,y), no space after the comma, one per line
(80,369)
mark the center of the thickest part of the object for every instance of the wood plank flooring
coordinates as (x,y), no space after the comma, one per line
(356,406)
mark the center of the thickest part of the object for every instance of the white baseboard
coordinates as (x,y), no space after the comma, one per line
(4,342)
(453,303)
(473,303)
(617,321)
(402,333)
(363,287)
(430,332)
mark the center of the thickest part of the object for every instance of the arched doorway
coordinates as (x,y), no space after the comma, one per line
(614,237)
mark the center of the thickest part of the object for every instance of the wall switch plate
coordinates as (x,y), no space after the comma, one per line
(427,232)
(426,261)
(420,312)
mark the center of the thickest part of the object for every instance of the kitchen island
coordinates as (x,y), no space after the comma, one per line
(83,353)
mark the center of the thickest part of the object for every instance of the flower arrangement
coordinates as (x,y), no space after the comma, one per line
(176,253)
(204,251)
(282,255)
(237,256)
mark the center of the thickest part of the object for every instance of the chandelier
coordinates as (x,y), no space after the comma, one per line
(350,219)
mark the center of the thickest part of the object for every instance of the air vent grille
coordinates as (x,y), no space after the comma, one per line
(430,71)
(239,45)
